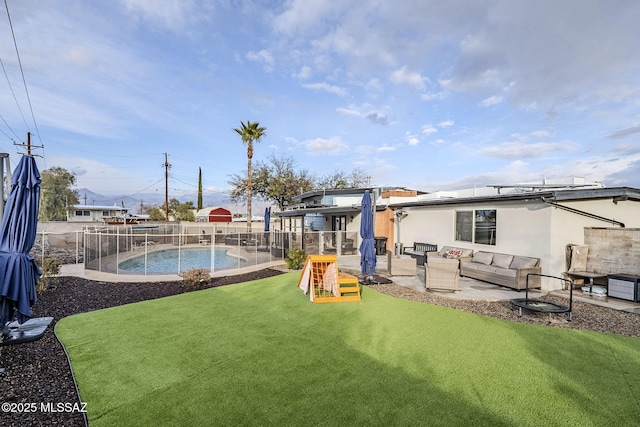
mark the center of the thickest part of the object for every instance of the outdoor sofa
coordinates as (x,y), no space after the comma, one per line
(451,252)
(502,269)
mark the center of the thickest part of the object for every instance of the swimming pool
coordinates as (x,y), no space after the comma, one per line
(166,261)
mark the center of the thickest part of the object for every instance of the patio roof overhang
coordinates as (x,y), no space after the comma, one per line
(616,194)
(335,210)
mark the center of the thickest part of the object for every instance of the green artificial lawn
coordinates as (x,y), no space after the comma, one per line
(260,353)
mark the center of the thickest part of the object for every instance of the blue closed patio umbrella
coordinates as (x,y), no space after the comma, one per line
(267,219)
(367,247)
(267,223)
(18,270)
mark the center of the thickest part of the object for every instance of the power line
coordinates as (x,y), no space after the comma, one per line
(24,81)
(15,99)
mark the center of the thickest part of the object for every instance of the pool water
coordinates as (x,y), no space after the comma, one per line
(166,261)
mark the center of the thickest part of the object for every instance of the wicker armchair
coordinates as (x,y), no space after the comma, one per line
(442,273)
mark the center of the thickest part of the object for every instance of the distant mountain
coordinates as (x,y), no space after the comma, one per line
(88,197)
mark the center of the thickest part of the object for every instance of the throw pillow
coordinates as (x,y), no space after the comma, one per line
(453,253)
(443,251)
(483,257)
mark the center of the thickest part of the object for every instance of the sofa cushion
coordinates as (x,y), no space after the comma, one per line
(491,269)
(466,252)
(473,265)
(502,260)
(483,257)
(523,262)
(507,272)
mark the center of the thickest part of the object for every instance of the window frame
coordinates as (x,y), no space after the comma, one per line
(474,234)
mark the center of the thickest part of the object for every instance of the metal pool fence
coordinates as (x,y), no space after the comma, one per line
(106,248)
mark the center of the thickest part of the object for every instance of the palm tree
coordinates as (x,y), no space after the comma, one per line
(250,133)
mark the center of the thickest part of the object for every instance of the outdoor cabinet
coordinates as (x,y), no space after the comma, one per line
(624,286)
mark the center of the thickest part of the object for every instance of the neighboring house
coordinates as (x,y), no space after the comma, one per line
(214,214)
(90,213)
(338,210)
(531,220)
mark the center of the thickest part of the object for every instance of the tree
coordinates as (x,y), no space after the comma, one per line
(156,213)
(56,194)
(184,212)
(250,133)
(339,179)
(275,180)
(179,211)
(199,188)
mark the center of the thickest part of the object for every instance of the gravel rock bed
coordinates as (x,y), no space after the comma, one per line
(585,316)
(38,372)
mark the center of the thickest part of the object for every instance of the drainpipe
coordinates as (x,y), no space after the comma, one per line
(583,213)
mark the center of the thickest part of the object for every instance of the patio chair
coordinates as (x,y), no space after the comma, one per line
(443,274)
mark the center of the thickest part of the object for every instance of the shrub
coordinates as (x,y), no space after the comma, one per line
(50,267)
(295,259)
(195,276)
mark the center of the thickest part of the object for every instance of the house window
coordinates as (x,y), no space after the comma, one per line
(83,213)
(78,213)
(478,226)
(464,226)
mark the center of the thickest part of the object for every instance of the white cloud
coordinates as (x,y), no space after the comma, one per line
(333,146)
(373,84)
(386,149)
(433,96)
(521,150)
(366,111)
(173,14)
(336,90)
(304,73)
(446,124)
(622,133)
(411,139)
(411,78)
(264,57)
(540,134)
(428,129)
(492,100)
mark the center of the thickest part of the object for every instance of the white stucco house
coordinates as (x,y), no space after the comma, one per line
(530,220)
(95,213)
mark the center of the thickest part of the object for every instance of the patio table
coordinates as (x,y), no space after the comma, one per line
(589,277)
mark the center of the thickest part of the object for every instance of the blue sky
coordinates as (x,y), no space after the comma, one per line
(432,95)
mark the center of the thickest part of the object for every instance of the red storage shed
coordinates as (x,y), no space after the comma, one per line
(215,214)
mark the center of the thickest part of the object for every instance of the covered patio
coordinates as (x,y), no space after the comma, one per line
(472,289)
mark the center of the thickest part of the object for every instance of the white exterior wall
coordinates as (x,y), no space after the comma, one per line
(533,229)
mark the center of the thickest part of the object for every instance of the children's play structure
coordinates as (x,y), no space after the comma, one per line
(324,283)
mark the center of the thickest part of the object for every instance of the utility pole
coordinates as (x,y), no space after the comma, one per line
(166,186)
